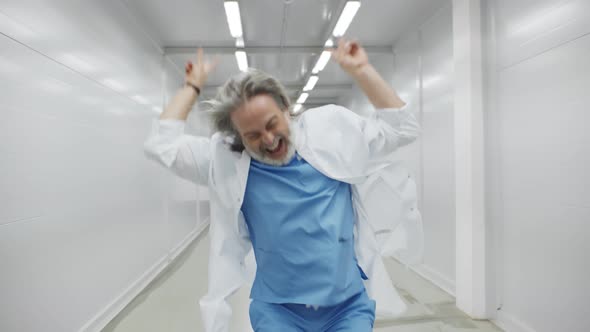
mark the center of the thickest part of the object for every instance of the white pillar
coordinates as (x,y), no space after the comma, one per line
(469,159)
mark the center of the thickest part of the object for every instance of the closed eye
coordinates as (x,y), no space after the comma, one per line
(272,123)
(252,136)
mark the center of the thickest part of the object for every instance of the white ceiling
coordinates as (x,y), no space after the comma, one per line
(292,33)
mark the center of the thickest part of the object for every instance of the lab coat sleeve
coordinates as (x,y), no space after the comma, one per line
(186,155)
(385,130)
(227,272)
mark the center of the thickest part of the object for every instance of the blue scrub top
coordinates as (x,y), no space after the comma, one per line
(301,228)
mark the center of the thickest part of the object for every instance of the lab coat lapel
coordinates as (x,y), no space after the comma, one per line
(334,153)
(229,173)
(243,168)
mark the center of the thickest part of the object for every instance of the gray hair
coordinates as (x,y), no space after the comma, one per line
(235,92)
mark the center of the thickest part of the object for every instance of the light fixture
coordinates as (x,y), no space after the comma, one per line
(232,12)
(329,43)
(302,98)
(242,60)
(310,83)
(296,108)
(346,17)
(240,42)
(322,62)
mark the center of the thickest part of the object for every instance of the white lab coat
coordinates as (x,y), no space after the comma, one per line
(338,143)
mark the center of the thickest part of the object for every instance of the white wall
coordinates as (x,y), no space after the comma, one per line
(540,80)
(421,70)
(537,154)
(438,190)
(84,215)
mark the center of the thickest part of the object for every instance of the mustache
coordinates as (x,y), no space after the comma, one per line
(264,147)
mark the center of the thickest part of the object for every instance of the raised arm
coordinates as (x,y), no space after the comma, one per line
(186,155)
(354,60)
(393,125)
(195,78)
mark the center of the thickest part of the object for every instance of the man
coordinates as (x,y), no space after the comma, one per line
(288,187)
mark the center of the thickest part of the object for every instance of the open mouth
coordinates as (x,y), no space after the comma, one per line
(276,150)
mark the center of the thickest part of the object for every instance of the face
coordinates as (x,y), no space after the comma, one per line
(264,129)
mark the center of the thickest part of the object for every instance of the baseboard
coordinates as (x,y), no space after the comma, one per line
(100,320)
(509,323)
(181,247)
(435,277)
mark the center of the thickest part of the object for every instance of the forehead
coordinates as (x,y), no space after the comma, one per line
(255,113)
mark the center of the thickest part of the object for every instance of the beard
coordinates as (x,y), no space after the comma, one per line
(263,155)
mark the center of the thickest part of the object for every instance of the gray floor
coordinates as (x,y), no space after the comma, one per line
(170,303)
(430,309)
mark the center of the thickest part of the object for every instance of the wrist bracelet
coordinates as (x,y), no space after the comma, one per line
(197,89)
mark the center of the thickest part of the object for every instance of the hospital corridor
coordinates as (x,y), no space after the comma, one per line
(294,165)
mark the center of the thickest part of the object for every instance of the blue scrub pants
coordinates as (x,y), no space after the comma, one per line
(356,314)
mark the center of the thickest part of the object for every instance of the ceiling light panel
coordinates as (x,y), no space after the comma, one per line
(302,98)
(242,60)
(322,62)
(311,83)
(232,13)
(240,42)
(345,18)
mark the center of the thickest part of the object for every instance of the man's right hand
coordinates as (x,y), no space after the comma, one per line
(196,74)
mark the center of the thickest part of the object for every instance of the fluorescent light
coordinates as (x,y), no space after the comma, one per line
(310,83)
(296,108)
(240,42)
(346,18)
(302,98)
(232,12)
(329,43)
(322,62)
(242,60)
